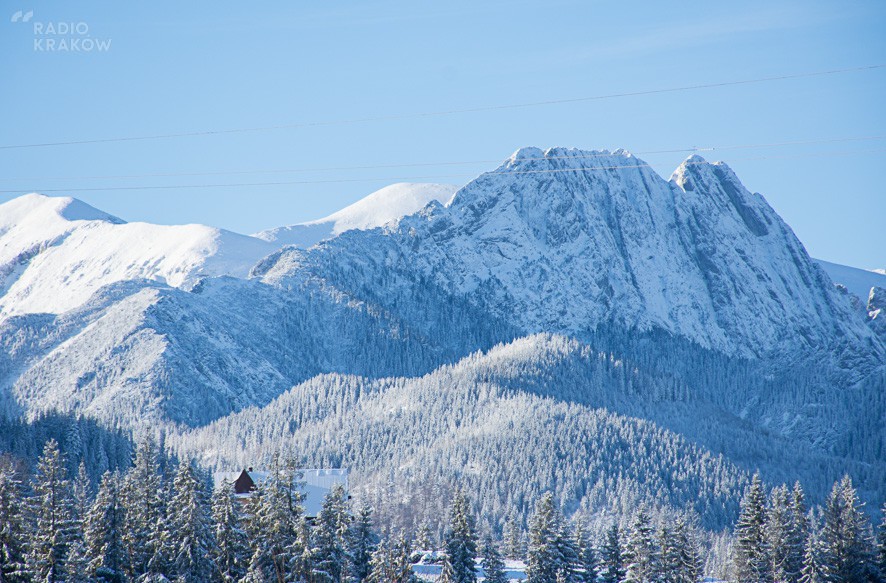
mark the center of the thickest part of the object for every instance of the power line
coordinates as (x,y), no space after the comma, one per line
(457,163)
(447,112)
(402,178)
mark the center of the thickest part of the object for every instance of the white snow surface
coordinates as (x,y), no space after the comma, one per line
(857,281)
(382,207)
(55,253)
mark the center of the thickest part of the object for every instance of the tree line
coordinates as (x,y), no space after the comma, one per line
(162,521)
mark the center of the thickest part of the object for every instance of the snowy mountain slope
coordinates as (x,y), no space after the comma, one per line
(566,240)
(143,352)
(857,281)
(55,253)
(453,424)
(566,414)
(378,209)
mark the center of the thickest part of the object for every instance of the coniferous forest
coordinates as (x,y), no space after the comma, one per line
(161,519)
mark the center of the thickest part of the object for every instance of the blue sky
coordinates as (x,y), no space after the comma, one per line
(197,65)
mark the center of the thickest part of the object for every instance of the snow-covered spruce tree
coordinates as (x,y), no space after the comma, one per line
(668,554)
(513,540)
(12,529)
(641,552)
(329,540)
(191,527)
(423,538)
(51,518)
(103,532)
(460,541)
(300,552)
(141,497)
(551,553)
(688,565)
(77,564)
(881,544)
(276,519)
(777,535)
(78,561)
(750,559)
(273,523)
(230,555)
(568,553)
(391,562)
(799,528)
(81,488)
(363,543)
(847,547)
(161,562)
(493,565)
(612,562)
(813,555)
(587,558)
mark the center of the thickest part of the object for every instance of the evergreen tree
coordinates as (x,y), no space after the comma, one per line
(391,562)
(103,532)
(301,553)
(276,524)
(190,526)
(82,491)
(881,544)
(461,541)
(688,565)
(612,560)
(230,555)
(846,545)
(797,536)
(587,558)
(813,570)
(331,553)
(78,561)
(543,557)
(423,538)
(493,565)
(142,499)
(567,552)
(363,542)
(12,537)
(641,553)
(668,555)
(750,558)
(777,535)
(513,540)
(51,515)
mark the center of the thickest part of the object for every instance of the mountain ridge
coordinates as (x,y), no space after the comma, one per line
(693,284)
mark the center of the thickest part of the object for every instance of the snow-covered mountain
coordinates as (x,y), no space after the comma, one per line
(378,209)
(709,311)
(567,241)
(55,253)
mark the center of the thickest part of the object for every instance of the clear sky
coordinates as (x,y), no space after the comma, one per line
(179,67)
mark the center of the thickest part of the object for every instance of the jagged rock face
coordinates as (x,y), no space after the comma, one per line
(567,240)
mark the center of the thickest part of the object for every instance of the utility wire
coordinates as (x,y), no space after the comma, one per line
(457,163)
(396,179)
(447,112)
